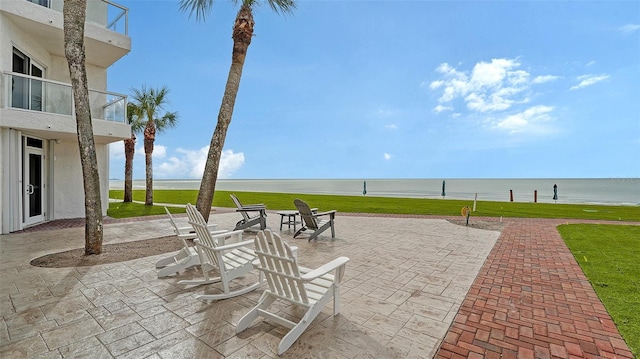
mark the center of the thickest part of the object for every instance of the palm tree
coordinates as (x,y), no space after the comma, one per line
(150,101)
(74,13)
(242,34)
(134,117)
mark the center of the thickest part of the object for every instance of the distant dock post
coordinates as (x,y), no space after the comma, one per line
(475,199)
(535,196)
(510,195)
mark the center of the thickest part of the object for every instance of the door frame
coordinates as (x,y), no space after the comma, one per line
(27,187)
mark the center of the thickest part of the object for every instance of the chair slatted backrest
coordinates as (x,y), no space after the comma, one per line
(306,214)
(204,237)
(175,227)
(202,232)
(235,199)
(280,267)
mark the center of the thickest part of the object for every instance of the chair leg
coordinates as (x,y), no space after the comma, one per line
(299,328)
(264,303)
(183,253)
(300,231)
(336,299)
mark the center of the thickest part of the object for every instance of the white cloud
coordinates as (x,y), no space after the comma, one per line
(159,151)
(629,28)
(229,163)
(544,78)
(191,163)
(531,120)
(441,108)
(436,84)
(491,74)
(499,94)
(588,80)
(491,86)
(387,156)
(392,126)
(590,63)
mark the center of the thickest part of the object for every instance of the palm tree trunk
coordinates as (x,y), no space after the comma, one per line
(149,138)
(242,34)
(74,17)
(129,151)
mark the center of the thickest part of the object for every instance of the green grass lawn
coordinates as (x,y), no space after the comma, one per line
(609,256)
(367,204)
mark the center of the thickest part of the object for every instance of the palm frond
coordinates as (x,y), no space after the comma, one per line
(201,8)
(282,6)
(145,103)
(169,120)
(135,118)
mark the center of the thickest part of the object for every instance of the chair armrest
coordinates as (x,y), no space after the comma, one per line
(324,269)
(187,236)
(185,229)
(331,213)
(226,247)
(216,235)
(193,235)
(190,230)
(222,236)
(251,209)
(253,206)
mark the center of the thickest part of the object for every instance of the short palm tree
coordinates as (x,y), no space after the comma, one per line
(149,102)
(134,117)
(242,34)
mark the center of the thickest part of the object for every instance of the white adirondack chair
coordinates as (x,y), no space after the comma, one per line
(186,257)
(229,261)
(308,288)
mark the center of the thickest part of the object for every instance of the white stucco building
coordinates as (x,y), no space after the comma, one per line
(41,176)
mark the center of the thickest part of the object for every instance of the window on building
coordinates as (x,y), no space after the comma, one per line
(26,92)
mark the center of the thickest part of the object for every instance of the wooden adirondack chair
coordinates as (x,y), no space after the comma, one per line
(304,287)
(313,220)
(186,257)
(252,214)
(229,261)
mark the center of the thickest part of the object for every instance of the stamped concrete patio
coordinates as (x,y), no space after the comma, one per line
(408,279)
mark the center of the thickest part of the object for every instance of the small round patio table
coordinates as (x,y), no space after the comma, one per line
(288,218)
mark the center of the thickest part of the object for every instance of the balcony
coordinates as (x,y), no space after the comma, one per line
(106,27)
(116,19)
(33,103)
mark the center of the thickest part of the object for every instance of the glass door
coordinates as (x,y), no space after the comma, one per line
(19,85)
(26,93)
(36,88)
(33,179)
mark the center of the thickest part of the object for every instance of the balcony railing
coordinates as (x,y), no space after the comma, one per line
(112,16)
(38,94)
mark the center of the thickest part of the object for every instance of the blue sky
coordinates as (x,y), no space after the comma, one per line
(395,89)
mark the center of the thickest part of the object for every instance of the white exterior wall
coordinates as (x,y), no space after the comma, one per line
(67,175)
(64,182)
(12,35)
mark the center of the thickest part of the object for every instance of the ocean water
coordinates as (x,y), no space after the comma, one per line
(611,191)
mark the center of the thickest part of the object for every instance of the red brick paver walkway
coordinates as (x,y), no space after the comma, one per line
(532,300)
